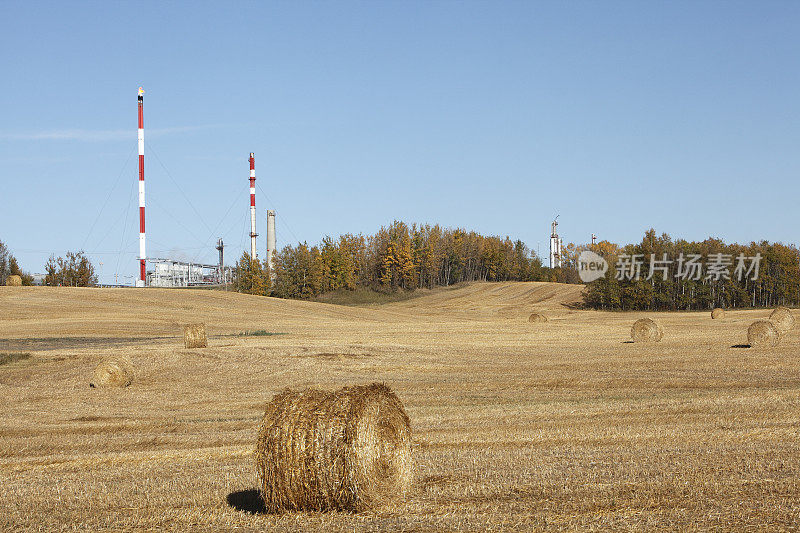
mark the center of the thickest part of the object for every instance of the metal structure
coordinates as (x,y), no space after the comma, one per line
(171,273)
(271,239)
(141,282)
(555,245)
(221,250)
(223,274)
(253,233)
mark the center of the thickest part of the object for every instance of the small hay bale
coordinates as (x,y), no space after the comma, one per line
(13,281)
(646,330)
(763,334)
(783,319)
(346,450)
(117,372)
(718,313)
(194,336)
(537,317)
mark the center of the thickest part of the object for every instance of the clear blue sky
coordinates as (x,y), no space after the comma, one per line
(492,116)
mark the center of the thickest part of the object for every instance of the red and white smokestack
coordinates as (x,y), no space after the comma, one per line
(253,233)
(142,255)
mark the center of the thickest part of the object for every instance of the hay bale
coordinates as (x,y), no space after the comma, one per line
(646,330)
(783,319)
(13,281)
(344,450)
(194,336)
(763,334)
(537,317)
(117,372)
(718,313)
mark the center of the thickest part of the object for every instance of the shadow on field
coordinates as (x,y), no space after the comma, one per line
(740,346)
(38,344)
(248,501)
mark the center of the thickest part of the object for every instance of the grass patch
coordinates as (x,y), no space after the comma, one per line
(258,333)
(11,357)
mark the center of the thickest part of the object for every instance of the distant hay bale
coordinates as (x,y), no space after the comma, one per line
(344,450)
(537,317)
(194,336)
(783,319)
(718,313)
(763,334)
(13,281)
(646,330)
(117,372)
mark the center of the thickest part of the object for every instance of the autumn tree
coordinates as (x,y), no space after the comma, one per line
(251,276)
(293,272)
(72,270)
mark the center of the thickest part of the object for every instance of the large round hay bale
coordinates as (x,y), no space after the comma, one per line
(646,330)
(117,372)
(763,334)
(537,317)
(718,313)
(344,450)
(13,281)
(783,319)
(194,336)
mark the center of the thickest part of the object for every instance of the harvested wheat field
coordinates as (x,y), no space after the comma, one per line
(569,426)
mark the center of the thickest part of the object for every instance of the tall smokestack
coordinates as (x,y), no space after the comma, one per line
(253,233)
(142,255)
(270,238)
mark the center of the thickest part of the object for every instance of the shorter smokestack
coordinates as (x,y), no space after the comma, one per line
(221,249)
(270,238)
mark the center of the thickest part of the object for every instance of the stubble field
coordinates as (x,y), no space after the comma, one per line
(517,426)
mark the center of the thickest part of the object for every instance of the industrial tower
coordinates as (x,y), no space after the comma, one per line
(555,245)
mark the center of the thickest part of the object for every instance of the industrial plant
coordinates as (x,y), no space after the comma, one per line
(173,273)
(166,272)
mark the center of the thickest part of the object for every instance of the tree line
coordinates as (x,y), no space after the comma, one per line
(73,270)
(658,273)
(683,275)
(397,257)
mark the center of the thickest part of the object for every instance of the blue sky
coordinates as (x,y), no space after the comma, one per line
(492,116)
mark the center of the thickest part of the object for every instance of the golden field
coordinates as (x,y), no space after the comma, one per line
(561,425)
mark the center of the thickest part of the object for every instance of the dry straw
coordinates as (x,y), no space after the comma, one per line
(116,372)
(194,336)
(646,330)
(344,450)
(537,317)
(718,313)
(763,334)
(13,281)
(783,319)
